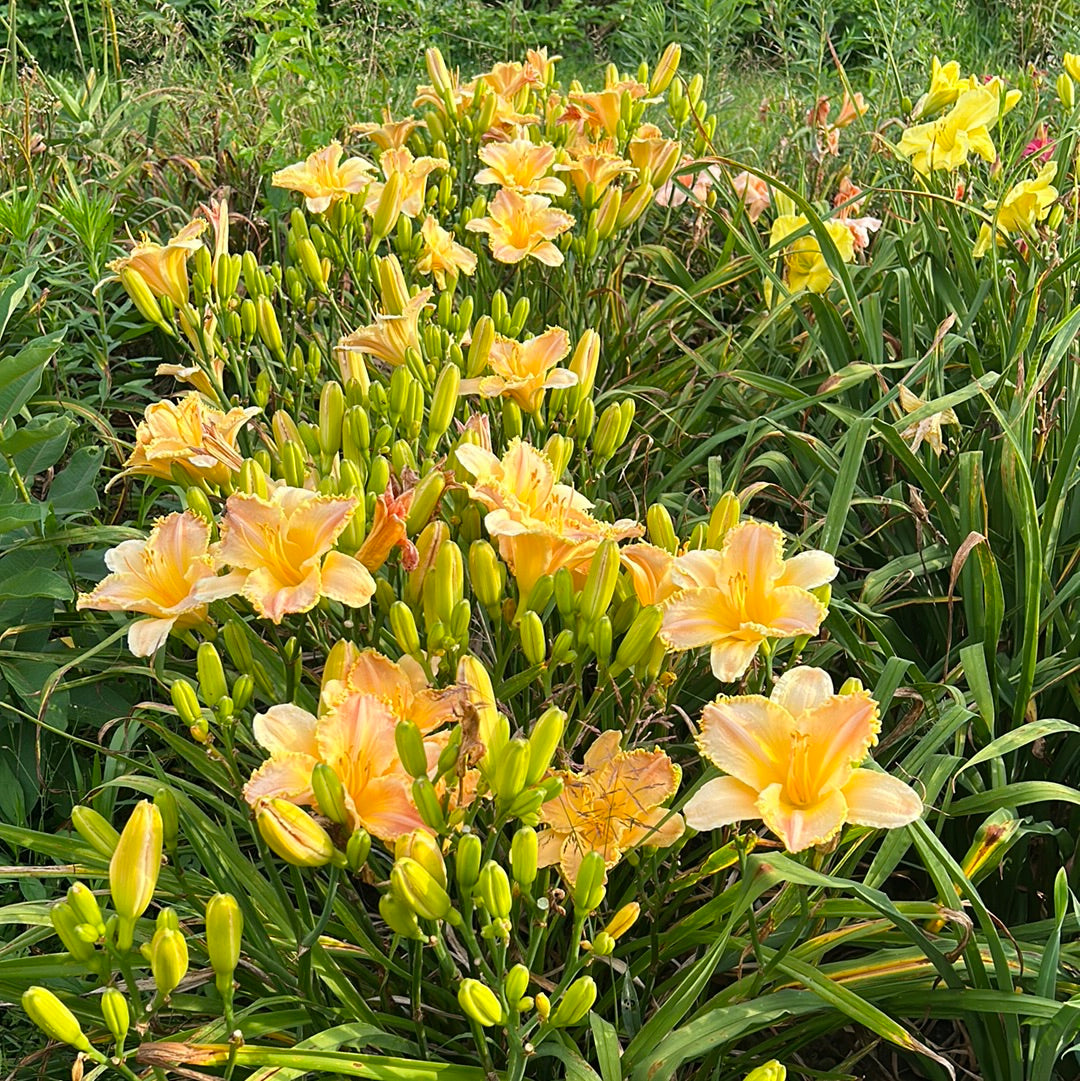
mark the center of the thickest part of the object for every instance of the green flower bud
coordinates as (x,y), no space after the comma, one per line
(410,749)
(134,868)
(600,582)
(66,924)
(224,930)
(85,906)
(575,1003)
(493,891)
(168,960)
(329,793)
(404,627)
(771,1071)
(94,830)
(483,338)
(531,631)
(427,803)
(165,802)
(415,888)
(467,857)
(516,983)
(543,742)
(640,637)
(54,1018)
(357,849)
(117,1014)
(511,767)
(485,574)
(588,889)
(524,852)
(443,403)
(400,919)
(426,496)
(480,1003)
(212,685)
(294,835)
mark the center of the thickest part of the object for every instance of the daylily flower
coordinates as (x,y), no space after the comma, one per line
(191,435)
(597,165)
(791,760)
(388,532)
(196,375)
(929,428)
(390,337)
(1071,62)
(650,570)
(280,552)
(850,110)
(156,577)
(522,225)
(944,88)
(442,254)
(1024,206)
(673,192)
(649,150)
(543,66)
(323,178)
(600,110)
(540,525)
(524,370)
(521,166)
(946,143)
(803,260)
(356,739)
(402,685)
(508,77)
(415,172)
(738,597)
(754,193)
(613,805)
(390,134)
(1042,145)
(164,266)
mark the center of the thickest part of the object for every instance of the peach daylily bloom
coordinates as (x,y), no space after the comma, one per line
(792,761)
(197,376)
(850,110)
(650,570)
(738,597)
(508,77)
(390,134)
(649,150)
(524,370)
(928,429)
(390,337)
(279,549)
(543,66)
(442,254)
(754,193)
(156,577)
(191,436)
(387,532)
(414,172)
(323,178)
(164,266)
(613,805)
(673,193)
(356,740)
(600,111)
(596,165)
(521,166)
(519,226)
(540,525)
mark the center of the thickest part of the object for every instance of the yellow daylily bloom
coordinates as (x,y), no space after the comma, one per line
(191,435)
(1024,206)
(414,172)
(1071,62)
(390,337)
(792,761)
(279,549)
(390,134)
(650,570)
(442,254)
(649,150)
(524,370)
(521,166)
(613,805)
(355,738)
(540,525)
(519,226)
(928,429)
(946,143)
(543,66)
(164,266)
(735,598)
(156,577)
(944,88)
(197,376)
(596,164)
(323,178)
(805,265)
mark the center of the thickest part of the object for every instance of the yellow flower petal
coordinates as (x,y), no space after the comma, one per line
(720,802)
(749,737)
(880,800)
(801,827)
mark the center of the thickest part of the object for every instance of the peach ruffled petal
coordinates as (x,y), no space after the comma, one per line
(720,802)
(748,737)
(880,800)
(802,827)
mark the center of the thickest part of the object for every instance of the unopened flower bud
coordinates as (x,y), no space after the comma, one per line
(600,582)
(54,1018)
(293,834)
(483,338)
(575,1003)
(400,919)
(493,891)
(403,625)
(415,888)
(516,983)
(224,930)
(640,637)
(543,742)
(117,1014)
(66,924)
(427,803)
(134,868)
(212,685)
(467,857)
(443,403)
(1066,92)
(588,889)
(623,920)
(771,1071)
(329,793)
(480,1003)
(357,849)
(543,1006)
(95,830)
(531,631)
(168,960)
(666,68)
(485,574)
(524,851)
(510,768)
(85,906)
(724,517)
(421,846)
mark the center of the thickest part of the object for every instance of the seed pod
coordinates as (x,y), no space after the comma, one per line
(224,931)
(134,868)
(117,1014)
(480,1003)
(524,853)
(575,1003)
(293,834)
(54,1018)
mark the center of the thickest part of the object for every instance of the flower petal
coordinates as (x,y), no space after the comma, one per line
(748,737)
(802,688)
(809,570)
(731,657)
(385,810)
(274,599)
(880,800)
(347,580)
(802,827)
(287,776)
(791,610)
(695,617)
(720,802)
(146,636)
(840,732)
(286,729)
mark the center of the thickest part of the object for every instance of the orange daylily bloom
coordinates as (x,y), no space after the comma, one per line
(390,134)
(543,66)
(736,598)
(508,77)
(650,570)
(442,254)
(850,110)
(521,166)
(156,577)
(355,738)
(613,805)
(540,525)
(522,225)
(164,266)
(648,149)
(597,165)
(524,370)
(754,193)
(792,761)
(197,438)
(401,684)
(197,376)
(388,532)
(280,552)
(323,178)
(415,172)
(390,337)
(599,110)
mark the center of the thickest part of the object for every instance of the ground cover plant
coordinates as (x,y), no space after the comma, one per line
(536,592)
